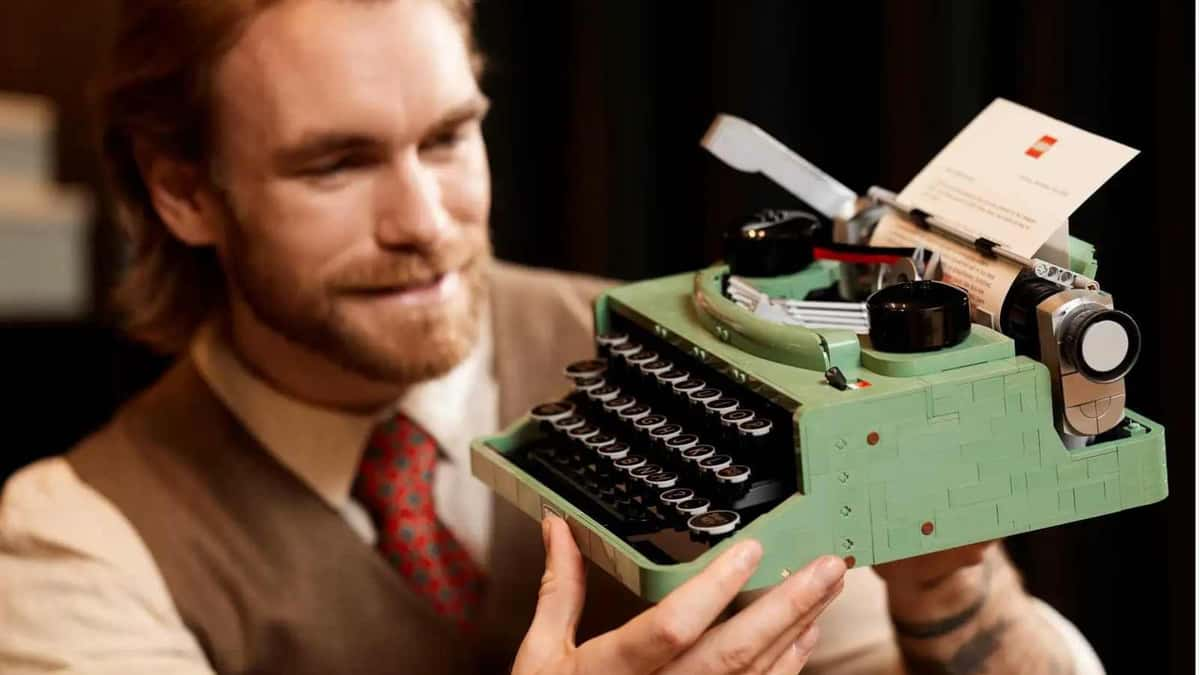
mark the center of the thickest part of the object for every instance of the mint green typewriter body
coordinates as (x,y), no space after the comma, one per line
(938,450)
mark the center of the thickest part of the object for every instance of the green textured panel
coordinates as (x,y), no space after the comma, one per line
(982,345)
(970,450)
(1083,257)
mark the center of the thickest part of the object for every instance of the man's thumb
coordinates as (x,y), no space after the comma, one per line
(560,599)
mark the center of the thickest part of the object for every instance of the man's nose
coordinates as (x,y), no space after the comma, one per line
(411,212)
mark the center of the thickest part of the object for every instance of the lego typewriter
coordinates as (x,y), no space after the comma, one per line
(764,398)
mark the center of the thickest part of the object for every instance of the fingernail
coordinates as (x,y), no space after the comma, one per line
(748,554)
(546,530)
(808,640)
(829,570)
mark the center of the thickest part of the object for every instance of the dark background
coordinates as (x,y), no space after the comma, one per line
(598,110)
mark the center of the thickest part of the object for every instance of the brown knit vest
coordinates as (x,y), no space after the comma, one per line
(268,577)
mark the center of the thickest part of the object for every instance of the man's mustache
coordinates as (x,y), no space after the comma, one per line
(404,269)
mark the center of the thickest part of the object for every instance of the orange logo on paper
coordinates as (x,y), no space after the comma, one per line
(1041,147)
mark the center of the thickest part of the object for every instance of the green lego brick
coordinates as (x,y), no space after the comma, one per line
(1083,257)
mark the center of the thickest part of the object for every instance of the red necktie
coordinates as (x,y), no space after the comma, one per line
(395,484)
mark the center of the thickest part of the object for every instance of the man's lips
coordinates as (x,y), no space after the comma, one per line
(436,289)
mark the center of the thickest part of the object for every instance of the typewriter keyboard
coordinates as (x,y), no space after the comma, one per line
(661,449)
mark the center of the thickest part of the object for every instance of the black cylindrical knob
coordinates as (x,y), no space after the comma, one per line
(918,316)
(771,243)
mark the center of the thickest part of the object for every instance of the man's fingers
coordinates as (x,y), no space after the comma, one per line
(795,633)
(560,599)
(746,640)
(796,655)
(659,634)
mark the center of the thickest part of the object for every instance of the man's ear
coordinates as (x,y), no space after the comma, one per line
(177,189)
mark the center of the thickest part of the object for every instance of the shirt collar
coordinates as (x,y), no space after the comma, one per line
(323,446)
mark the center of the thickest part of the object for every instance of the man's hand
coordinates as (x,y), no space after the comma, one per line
(775,634)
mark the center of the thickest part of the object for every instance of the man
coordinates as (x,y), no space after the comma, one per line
(306,188)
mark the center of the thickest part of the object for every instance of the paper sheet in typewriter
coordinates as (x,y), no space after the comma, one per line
(1014,176)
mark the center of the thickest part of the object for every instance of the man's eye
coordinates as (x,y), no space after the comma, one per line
(445,141)
(334,166)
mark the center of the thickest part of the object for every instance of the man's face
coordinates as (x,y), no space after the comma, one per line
(348,147)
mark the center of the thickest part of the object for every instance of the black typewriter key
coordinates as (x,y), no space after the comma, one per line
(605,394)
(634,413)
(688,386)
(619,403)
(639,475)
(582,369)
(734,481)
(613,451)
(662,480)
(736,418)
(639,359)
(630,462)
(715,463)
(583,432)
(649,423)
(681,443)
(701,398)
(552,412)
(665,433)
(644,470)
(606,341)
(714,525)
(570,422)
(672,377)
(548,413)
(692,458)
(694,506)
(618,366)
(599,441)
(670,498)
(625,349)
(754,437)
(656,367)
(708,467)
(664,389)
(730,423)
(586,384)
(721,406)
(714,410)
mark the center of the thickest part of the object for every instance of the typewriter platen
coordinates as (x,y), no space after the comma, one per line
(699,422)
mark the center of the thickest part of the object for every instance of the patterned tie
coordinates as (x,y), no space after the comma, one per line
(395,484)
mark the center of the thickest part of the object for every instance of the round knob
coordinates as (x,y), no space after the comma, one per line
(771,243)
(918,316)
(1102,343)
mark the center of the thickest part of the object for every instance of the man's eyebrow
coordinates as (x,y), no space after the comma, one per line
(314,145)
(474,109)
(319,144)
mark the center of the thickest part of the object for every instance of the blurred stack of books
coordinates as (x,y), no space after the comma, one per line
(45,228)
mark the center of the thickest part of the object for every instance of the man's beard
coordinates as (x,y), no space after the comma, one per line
(423,343)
